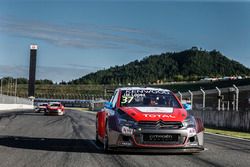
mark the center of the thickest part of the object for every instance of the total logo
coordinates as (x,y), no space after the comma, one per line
(158,116)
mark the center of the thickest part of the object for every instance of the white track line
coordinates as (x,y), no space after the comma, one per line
(227,136)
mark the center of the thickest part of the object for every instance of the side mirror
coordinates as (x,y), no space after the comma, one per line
(108,105)
(187,106)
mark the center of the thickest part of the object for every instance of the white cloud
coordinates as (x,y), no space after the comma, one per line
(85,36)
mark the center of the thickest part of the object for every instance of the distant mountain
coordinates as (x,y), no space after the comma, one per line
(191,64)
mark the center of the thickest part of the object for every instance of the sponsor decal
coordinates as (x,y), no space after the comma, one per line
(158,116)
(126,99)
(160,137)
(142,92)
(53,107)
(155,109)
(191,132)
(127,131)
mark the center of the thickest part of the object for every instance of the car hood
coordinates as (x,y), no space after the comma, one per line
(155,113)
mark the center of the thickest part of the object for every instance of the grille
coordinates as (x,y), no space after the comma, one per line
(159,139)
(159,125)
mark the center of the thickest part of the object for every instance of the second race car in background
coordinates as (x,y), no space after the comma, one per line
(143,119)
(41,107)
(55,108)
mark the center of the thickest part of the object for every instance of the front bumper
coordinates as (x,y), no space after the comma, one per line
(53,112)
(40,109)
(179,150)
(183,140)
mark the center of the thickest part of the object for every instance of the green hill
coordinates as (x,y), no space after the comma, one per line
(191,64)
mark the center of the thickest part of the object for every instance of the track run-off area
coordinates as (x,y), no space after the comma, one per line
(30,139)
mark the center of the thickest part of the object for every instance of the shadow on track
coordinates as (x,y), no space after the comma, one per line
(66,145)
(7,114)
(49,144)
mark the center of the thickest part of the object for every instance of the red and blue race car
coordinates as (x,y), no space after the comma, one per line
(148,119)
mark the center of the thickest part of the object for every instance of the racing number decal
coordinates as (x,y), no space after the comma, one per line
(126,99)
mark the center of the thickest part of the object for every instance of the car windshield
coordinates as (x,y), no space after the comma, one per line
(54,105)
(43,104)
(148,98)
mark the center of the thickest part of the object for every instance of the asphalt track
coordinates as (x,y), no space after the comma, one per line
(30,139)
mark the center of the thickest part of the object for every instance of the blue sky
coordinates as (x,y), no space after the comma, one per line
(78,37)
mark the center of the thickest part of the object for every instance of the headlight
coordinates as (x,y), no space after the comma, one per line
(59,110)
(189,122)
(125,119)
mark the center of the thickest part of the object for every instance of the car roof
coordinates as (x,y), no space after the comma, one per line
(142,88)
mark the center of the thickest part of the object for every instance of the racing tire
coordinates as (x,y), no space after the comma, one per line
(97,141)
(106,148)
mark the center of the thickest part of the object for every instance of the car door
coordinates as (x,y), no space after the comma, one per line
(105,113)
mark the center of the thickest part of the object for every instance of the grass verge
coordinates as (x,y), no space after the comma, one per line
(243,135)
(77,108)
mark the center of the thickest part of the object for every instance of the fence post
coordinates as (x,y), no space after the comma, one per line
(237,98)
(191,99)
(16,91)
(180,95)
(219,97)
(1,90)
(105,91)
(1,86)
(203,99)
(8,87)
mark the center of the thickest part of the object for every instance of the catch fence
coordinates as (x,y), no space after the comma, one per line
(222,99)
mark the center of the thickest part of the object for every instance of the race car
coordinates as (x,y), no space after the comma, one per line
(55,108)
(148,119)
(41,107)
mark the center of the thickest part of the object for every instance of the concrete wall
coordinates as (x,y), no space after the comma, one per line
(236,120)
(7,107)
(4,99)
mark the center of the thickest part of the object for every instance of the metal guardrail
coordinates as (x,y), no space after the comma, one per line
(230,98)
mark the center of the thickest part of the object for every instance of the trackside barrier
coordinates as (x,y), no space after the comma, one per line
(96,105)
(236,120)
(13,102)
(4,99)
(227,108)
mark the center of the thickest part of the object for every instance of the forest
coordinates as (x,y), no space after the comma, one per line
(188,65)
